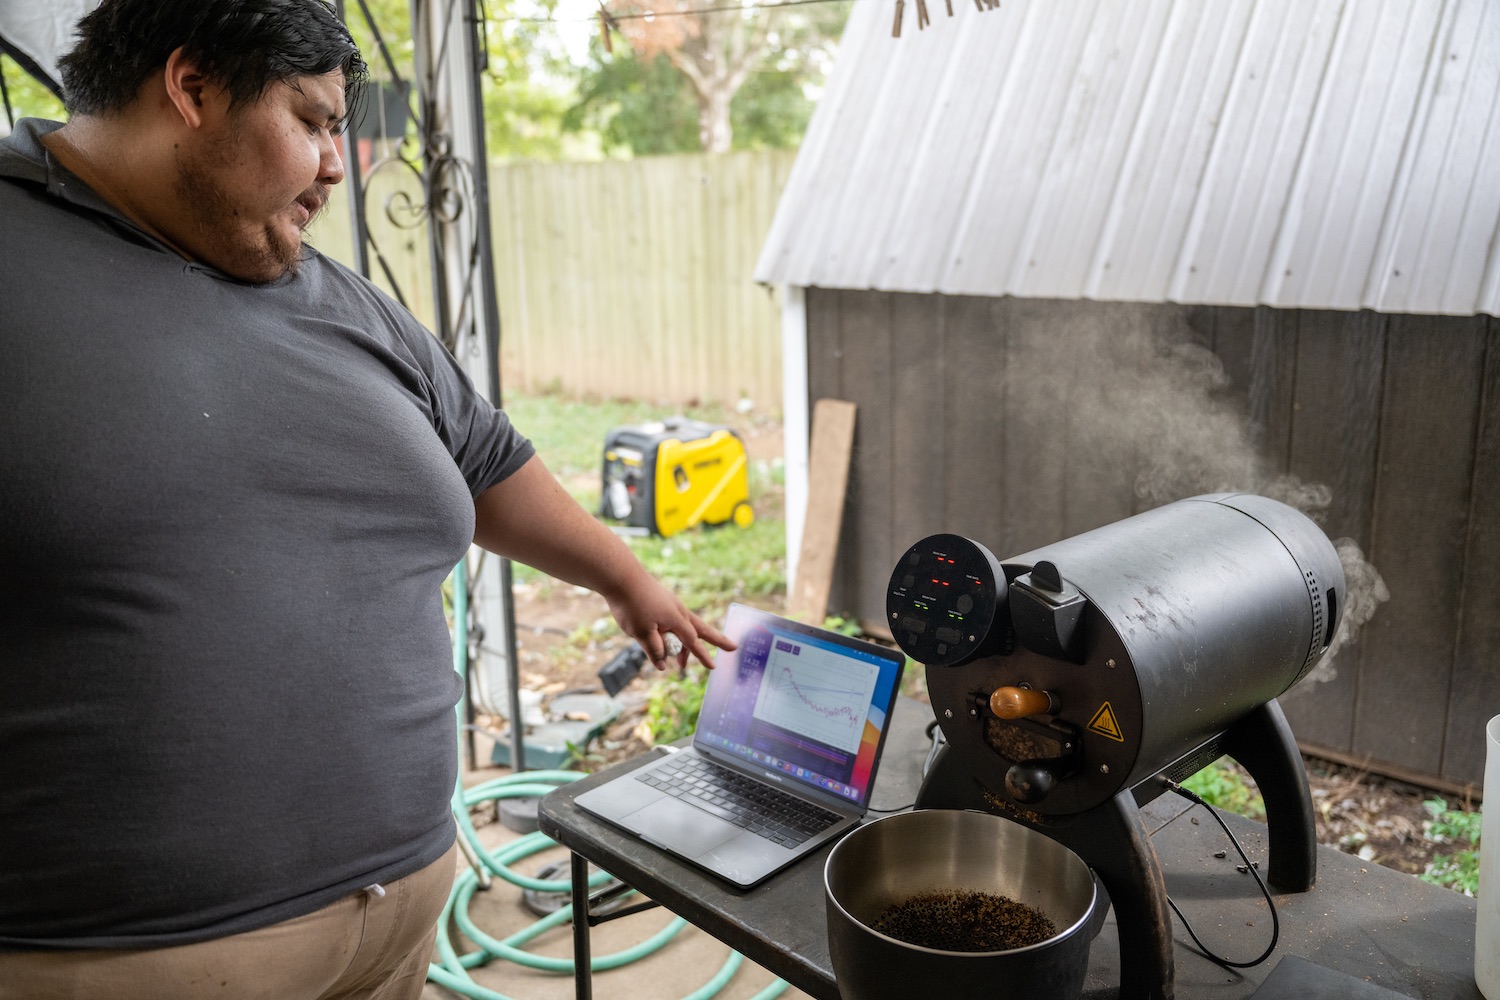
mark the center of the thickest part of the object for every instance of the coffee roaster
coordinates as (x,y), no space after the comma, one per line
(1073,682)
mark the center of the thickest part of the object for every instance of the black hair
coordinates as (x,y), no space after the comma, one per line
(243,46)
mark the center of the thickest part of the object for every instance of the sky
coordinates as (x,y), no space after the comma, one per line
(577,22)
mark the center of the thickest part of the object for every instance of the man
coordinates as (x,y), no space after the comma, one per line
(234,478)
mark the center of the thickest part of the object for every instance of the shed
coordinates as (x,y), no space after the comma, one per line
(1077,259)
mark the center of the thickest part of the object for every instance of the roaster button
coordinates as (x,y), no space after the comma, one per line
(914,624)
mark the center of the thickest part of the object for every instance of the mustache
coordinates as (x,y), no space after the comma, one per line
(314,199)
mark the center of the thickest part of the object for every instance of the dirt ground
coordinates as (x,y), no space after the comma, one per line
(1376,818)
(552,618)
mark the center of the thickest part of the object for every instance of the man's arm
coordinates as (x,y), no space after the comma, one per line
(528,517)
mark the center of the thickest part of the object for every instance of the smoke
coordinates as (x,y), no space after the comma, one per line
(1151,409)
(1365,591)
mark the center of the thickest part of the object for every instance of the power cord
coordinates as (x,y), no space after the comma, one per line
(938,741)
(936,736)
(1249,867)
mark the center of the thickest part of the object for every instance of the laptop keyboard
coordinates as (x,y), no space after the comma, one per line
(749,804)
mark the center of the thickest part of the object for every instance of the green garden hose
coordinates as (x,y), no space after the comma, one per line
(451,970)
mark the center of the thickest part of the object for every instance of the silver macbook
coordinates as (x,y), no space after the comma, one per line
(784,757)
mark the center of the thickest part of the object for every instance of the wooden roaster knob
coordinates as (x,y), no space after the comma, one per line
(1019,703)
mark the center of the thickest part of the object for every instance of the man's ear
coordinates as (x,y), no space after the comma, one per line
(193,95)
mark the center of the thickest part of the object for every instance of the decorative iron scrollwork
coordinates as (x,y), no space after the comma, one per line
(446,188)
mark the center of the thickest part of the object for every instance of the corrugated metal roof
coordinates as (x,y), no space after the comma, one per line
(1300,153)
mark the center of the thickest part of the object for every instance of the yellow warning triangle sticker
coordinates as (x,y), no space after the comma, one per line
(1105,724)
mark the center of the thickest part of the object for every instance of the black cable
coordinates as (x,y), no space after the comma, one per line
(652,15)
(1249,866)
(938,740)
(722,9)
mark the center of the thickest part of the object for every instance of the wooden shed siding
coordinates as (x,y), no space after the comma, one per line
(1424,474)
(1475,696)
(972,400)
(1340,372)
(962,428)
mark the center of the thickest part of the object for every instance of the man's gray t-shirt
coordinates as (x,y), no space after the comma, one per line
(226,512)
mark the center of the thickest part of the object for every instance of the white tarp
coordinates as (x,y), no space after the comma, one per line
(36,34)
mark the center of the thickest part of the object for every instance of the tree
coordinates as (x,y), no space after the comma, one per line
(715,51)
(526,84)
(26,97)
(739,76)
(636,104)
(771,111)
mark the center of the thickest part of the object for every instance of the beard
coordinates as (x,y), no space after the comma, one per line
(249,250)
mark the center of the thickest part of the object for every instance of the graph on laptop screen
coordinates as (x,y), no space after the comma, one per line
(809,708)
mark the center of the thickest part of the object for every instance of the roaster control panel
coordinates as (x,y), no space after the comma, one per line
(946,602)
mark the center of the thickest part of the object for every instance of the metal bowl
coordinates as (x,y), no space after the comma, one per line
(891,860)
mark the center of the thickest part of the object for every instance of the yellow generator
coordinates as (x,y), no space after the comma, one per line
(664,477)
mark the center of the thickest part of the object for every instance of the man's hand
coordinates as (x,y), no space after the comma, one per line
(648,612)
(531,519)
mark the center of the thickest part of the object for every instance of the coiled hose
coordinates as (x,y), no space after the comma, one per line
(450,970)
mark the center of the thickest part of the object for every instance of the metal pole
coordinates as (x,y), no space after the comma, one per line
(468,316)
(355,190)
(490,311)
(583,975)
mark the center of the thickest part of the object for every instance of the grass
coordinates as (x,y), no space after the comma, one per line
(673,704)
(706,567)
(569,433)
(1226,786)
(709,568)
(1459,827)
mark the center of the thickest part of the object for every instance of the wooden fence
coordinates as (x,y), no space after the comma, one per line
(621,278)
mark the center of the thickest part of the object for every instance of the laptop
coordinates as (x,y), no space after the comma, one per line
(784,757)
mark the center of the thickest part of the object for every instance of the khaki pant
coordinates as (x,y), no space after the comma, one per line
(363,947)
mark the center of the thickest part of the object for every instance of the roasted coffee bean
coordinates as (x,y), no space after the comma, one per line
(965,921)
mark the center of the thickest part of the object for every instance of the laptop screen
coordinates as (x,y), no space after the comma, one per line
(810,704)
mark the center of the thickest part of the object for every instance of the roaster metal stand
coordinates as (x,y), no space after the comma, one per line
(1114,841)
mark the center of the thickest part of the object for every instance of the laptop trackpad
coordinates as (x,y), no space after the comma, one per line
(690,831)
(746,859)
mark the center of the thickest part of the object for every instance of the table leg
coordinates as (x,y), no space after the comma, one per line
(583,982)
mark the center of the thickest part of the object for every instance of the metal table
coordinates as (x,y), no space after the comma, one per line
(1363,920)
